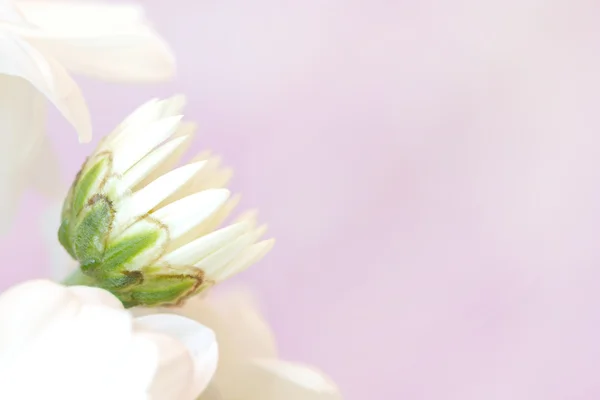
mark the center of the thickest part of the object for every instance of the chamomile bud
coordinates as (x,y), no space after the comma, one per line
(148,230)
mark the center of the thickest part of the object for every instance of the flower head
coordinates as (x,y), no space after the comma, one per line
(146,232)
(79,343)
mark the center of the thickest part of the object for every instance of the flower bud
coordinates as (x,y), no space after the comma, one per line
(149,233)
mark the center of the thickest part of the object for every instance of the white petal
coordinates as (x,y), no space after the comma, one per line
(107,327)
(95,296)
(137,368)
(68,339)
(285,380)
(44,301)
(249,256)
(107,41)
(60,262)
(170,106)
(198,249)
(211,177)
(184,214)
(22,118)
(142,115)
(12,189)
(175,368)
(148,164)
(186,131)
(249,215)
(9,12)
(214,263)
(142,201)
(211,393)
(20,59)
(208,225)
(82,364)
(43,171)
(53,16)
(151,111)
(201,346)
(135,142)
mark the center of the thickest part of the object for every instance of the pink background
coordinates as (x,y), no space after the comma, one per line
(431,173)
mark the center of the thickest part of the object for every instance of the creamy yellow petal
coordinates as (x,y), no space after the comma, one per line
(184,214)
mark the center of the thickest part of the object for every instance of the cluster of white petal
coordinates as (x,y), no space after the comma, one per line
(78,342)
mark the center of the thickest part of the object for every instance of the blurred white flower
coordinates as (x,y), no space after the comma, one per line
(147,232)
(249,368)
(79,343)
(39,43)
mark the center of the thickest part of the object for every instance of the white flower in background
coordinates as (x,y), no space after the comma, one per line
(249,368)
(147,232)
(78,342)
(39,43)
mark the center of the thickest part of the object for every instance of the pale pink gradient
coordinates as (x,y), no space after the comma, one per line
(430,170)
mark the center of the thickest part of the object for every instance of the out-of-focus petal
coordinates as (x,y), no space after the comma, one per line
(26,309)
(188,362)
(293,381)
(113,42)
(9,12)
(22,117)
(93,343)
(95,296)
(73,343)
(225,313)
(20,59)
(175,368)
(274,380)
(211,393)
(60,262)
(43,171)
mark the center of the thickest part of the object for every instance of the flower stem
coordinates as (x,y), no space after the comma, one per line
(78,278)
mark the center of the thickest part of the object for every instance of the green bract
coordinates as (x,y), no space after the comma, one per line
(149,233)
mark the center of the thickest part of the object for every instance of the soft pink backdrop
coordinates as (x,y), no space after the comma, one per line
(431,173)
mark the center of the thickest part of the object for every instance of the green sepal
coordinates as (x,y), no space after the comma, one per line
(159,291)
(126,249)
(64,239)
(114,283)
(82,198)
(149,287)
(117,282)
(162,287)
(85,184)
(88,237)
